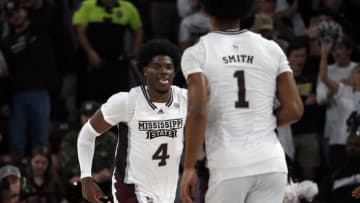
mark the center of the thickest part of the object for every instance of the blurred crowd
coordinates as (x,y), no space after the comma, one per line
(60,59)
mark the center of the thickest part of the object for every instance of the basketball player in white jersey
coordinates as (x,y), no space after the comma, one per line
(233,78)
(148,155)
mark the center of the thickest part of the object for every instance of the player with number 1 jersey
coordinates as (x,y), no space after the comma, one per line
(242,85)
(234,77)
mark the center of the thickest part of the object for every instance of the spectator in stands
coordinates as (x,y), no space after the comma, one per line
(338,185)
(306,130)
(164,19)
(288,17)
(193,26)
(4,94)
(264,25)
(10,184)
(103,158)
(268,8)
(49,17)
(101,27)
(184,8)
(43,183)
(337,111)
(346,13)
(32,73)
(313,58)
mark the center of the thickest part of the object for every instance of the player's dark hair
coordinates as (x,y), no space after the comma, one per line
(228,9)
(154,48)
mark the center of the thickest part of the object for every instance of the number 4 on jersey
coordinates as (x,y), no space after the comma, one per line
(161,154)
(241,103)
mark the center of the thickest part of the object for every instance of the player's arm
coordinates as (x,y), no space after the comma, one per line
(194,132)
(86,147)
(192,63)
(291,107)
(86,141)
(114,111)
(196,118)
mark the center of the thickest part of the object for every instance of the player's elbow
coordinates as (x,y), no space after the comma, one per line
(296,111)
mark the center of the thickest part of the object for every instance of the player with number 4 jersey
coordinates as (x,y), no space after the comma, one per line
(153,117)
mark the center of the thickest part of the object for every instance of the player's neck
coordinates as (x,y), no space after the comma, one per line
(156,96)
(225,25)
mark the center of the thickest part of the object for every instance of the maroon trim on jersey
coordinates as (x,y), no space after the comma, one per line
(147,97)
(229,32)
(171,99)
(124,193)
(152,105)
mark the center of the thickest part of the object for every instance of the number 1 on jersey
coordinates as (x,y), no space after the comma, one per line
(241,103)
(161,154)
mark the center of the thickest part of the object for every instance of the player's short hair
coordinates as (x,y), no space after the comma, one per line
(228,9)
(154,48)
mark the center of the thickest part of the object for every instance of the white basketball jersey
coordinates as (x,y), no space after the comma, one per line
(154,141)
(241,69)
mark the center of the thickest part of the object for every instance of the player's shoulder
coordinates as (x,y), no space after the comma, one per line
(264,41)
(118,98)
(196,51)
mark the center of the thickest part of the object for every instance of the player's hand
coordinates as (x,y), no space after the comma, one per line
(91,191)
(188,185)
(356,193)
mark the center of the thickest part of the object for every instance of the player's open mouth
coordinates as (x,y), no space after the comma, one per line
(164,81)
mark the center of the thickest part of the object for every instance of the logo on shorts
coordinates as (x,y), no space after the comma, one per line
(161,128)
